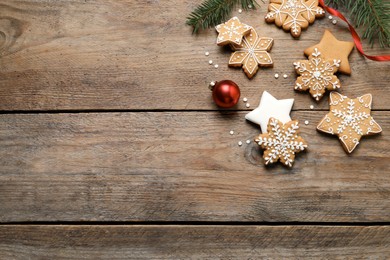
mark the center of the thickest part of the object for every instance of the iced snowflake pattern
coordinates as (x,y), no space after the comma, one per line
(281,142)
(252,53)
(231,32)
(349,119)
(317,75)
(293,15)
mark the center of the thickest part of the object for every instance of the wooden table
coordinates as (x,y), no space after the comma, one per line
(111,147)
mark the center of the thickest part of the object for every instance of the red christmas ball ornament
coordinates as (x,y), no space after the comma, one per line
(226,93)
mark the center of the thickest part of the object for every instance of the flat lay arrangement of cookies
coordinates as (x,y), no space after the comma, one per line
(207,129)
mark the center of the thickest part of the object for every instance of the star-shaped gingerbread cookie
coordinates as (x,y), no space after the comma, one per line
(231,32)
(349,119)
(317,75)
(281,142)
(331,48)
(293,15)
(252,53)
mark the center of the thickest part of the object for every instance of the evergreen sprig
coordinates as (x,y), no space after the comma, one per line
(372,16)
(213,12)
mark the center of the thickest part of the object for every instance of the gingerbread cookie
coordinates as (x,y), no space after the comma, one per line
(281,142)
(317,75)
(332,48)
(231,32)
(252,53)
(349,119)
(293,15)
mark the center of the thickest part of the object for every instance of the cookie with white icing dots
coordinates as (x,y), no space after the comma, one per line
(293,15)
(316,75)
(349,119)
(281,142)
(252,53)
(231,32)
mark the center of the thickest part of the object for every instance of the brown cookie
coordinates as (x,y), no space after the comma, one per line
(281,142)
(231,32)
(349,119)
(293,15)
(332,48)
(317,75)
(252,53)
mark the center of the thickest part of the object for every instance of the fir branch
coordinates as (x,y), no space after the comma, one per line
(372,15)
(213,12)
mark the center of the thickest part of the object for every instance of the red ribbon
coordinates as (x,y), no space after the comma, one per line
(355,36)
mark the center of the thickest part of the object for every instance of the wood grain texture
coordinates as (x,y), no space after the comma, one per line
(194,242)
(183,166)
(109,54)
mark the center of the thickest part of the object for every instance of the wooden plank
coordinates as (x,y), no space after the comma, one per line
(109,54)
(197,242)
(182,166)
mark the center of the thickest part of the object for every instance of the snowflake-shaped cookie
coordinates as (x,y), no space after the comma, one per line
(231,32)
(317,75)
(281,142)
(349,119)
(252,53)
(293,15)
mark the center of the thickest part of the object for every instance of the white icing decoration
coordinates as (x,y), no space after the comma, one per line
(270,107)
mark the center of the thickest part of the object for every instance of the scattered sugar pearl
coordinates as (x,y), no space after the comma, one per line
(247,105)
(231,132)
(306,122)
(216,66)
(330,17)
(311,107)
(285,76)
(250,6)
(334,21)
(239,143)
(207,53)
(240,10)
(276,75)
(210,62)
(245,99)
(248,141)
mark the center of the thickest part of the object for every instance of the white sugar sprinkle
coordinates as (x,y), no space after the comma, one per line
(240,10)
(231,132)
(306,122)
(210,62)
(276,75)
(330,17)
(248,141)
(212,83)
(239,143)
(311,107)
(207,53)
(249,6)
(245,99)
(285,76)
(334,21)
(247,105)
(216,66)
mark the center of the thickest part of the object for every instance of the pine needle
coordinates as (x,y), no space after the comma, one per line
(213,12)
(372,16)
